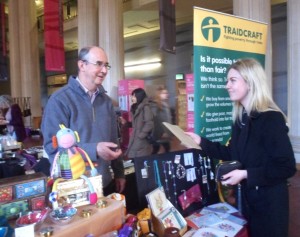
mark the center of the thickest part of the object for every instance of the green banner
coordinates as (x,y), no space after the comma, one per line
(215,48)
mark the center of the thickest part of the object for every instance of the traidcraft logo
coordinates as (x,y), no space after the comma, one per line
(210,29)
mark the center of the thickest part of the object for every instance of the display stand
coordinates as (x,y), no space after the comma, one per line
(170,169)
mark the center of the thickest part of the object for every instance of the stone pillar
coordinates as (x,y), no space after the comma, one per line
(87,23)
(24,52)
(14,48)
(112,40)
(293,47)
(259,10)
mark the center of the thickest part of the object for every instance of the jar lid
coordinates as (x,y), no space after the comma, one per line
(46,231)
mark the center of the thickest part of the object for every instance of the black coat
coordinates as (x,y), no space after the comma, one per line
(263,147)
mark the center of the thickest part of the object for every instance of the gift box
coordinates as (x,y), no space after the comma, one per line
(164,214)
(76,192)
(144,220)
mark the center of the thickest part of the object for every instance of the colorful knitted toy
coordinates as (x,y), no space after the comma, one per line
(70,163)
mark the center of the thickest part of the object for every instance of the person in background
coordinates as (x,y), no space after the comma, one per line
(261,143)
(142,124)
(11,116)
(162,113)
(83,106)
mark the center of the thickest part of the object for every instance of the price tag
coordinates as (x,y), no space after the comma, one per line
(26,231)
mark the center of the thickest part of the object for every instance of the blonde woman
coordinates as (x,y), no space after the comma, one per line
(261,143)
(162,113)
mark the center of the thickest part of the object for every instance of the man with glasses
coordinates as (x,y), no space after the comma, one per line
(83,106)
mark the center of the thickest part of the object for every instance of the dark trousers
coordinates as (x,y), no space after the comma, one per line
(110,188)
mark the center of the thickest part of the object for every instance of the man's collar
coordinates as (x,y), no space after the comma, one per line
(85,89)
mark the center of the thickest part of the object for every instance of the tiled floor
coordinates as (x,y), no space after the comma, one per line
(294,228)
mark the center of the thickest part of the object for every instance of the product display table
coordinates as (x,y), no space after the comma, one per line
(101,221)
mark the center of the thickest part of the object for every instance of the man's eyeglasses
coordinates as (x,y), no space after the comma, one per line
(99,64)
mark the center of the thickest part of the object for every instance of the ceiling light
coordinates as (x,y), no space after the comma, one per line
(143,66)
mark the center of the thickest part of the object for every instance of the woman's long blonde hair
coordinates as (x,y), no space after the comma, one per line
(260,96)
(157,97)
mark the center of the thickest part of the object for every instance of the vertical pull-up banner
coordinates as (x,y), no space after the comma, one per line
(54,37)
(167,22)
(219,40)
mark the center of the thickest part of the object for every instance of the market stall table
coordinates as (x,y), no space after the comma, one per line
(101,221)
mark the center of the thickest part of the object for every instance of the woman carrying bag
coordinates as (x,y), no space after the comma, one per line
(260,142)
(142,125)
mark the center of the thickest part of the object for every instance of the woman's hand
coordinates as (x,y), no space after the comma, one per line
(234,177)
(194,136)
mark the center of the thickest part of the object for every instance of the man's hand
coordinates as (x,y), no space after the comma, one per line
(120,185)
(108,150)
